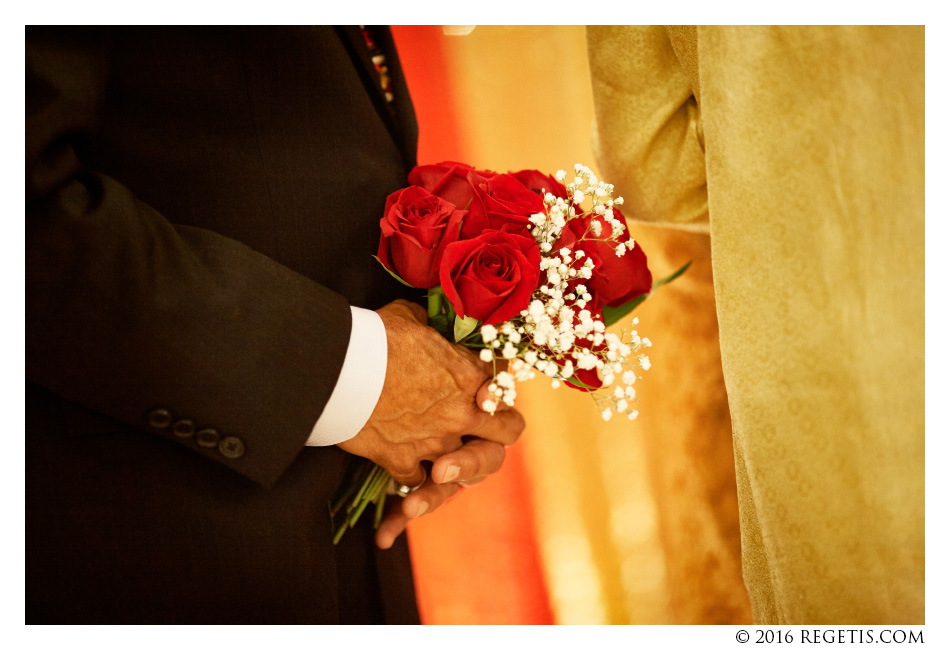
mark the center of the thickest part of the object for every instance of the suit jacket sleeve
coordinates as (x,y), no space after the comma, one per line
(648,137)
(126,313)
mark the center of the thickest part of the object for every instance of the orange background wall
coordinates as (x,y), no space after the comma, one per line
(475,559)
(588,522)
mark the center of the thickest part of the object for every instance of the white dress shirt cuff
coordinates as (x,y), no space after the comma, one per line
(360,383)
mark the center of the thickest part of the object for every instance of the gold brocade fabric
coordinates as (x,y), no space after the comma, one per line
(801,150)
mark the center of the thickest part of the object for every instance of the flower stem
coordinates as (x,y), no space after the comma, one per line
(435,301)
(369,484)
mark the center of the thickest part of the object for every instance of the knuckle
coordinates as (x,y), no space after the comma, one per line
(440,446)
(470,464)
(470,416)
(490,459)
(417,310)
(403,466)
(477,421)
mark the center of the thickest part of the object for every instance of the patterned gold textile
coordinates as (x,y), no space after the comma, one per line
(801,150)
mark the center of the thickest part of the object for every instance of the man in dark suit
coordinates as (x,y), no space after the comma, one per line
(202,205)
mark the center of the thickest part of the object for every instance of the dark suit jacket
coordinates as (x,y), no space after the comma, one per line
(202,206)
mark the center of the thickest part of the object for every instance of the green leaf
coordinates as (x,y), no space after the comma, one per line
(614,314)
(464,326)
(574,381)
(393,274)
(672,276)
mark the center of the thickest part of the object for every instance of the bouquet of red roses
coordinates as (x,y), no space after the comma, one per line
(526,269)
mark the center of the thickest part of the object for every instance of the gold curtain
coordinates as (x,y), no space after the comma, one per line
(637,522)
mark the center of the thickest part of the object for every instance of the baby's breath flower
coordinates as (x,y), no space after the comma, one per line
(557,335)
(568,370)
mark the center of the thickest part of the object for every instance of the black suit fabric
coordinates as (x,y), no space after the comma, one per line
(202,206)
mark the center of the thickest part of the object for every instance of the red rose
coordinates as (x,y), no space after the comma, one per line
(501,203)
(540,183)
(416,227)
(492,276)
(616,280)
(448,180)
(589,376)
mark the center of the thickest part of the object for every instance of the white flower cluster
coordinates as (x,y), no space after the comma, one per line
(557,335)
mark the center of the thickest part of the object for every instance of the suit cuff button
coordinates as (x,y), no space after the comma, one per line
(184,429)
(231,447)
(208,438)
(159,418)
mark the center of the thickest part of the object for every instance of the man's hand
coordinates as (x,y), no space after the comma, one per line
(427,405)
(467,466)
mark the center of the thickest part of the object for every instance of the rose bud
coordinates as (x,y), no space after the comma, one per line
(586,375)
(541,183)
(492,276)
(416,227)
(501,203)
(448,180)
(616,280)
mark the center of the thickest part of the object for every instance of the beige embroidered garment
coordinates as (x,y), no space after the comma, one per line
(801,151)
